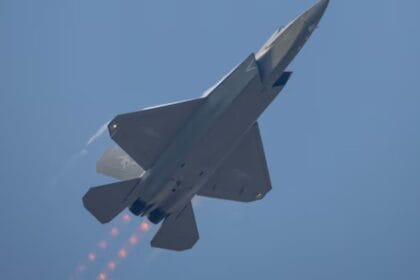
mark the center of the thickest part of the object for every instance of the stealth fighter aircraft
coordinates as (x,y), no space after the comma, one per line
(210,146)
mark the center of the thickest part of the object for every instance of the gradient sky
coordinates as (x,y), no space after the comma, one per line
(342,140)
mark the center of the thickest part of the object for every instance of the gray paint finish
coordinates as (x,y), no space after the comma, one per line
(186,147)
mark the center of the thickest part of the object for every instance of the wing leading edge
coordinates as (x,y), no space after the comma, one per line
(145,134)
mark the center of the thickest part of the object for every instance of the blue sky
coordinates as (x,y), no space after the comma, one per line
(342,140)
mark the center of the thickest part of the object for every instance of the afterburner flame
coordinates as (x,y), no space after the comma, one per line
(91,257)
(103,244)
(114,231)
(126,218)
(122,253)
(112,265)
(144,227)
(134,239)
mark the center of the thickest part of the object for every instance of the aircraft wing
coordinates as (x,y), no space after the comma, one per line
(145,134)
(244,175)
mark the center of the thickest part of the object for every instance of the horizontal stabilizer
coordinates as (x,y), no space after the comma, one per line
(145,134)
(106,202)
(178,232)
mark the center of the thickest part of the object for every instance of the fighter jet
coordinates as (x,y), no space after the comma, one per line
(210,146)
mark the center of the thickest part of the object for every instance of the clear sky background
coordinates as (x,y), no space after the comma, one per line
(342,140)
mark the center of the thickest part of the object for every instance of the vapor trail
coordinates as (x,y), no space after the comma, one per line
(71,161)
(98,134)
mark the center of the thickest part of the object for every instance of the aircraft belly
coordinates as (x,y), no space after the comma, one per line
(217,143)
(188,145)
(203,144)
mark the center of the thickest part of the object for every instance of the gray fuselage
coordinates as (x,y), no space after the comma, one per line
(216,127)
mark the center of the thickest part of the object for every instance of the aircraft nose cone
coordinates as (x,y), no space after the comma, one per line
(314,14)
